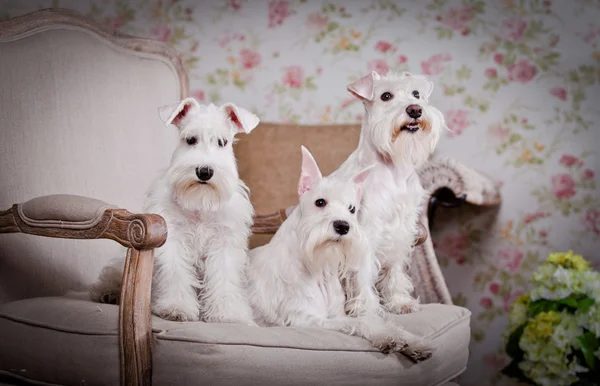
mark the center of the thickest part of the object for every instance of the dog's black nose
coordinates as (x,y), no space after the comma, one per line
(414,111)
(204,173)
(341,227)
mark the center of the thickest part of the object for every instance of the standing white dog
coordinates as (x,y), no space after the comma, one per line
(399,132)
(299,278)
(198,272)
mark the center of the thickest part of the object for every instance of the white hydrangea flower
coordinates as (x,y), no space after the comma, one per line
(591,284)
(517,315)
(553,283)
(590,320)
(550,338)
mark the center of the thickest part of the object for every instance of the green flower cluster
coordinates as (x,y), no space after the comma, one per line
(554,331)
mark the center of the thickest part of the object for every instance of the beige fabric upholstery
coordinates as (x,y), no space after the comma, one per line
(78,115)
(63,211)
(68,340)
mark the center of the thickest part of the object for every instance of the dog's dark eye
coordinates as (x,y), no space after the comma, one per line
(386,96)
(222,142)
(191,140)
(320,203)
(415,94)
(352,209)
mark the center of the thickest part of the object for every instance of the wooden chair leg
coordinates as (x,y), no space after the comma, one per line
(135,319)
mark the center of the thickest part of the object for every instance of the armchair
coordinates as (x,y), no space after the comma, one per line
(79,116)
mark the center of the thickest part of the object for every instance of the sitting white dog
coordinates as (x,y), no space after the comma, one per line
(299,278)
(400,130)
(198,272)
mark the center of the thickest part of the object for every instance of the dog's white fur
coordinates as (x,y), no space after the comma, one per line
(198,272)
(393,196)
(299,278)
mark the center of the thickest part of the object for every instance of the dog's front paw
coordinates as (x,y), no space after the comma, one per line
(359,308)
(388,344)
(418,352)
(403,305)
(175,314)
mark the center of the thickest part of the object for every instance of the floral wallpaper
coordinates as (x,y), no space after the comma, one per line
(518,81)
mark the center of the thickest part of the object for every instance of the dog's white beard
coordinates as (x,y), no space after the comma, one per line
(320,249)
(192,196)
(411,149)
(403,147)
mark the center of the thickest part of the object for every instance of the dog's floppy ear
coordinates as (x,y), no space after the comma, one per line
(360,178)
(429,88)
(310,173)
(176,112)
(243,120)
(363,88)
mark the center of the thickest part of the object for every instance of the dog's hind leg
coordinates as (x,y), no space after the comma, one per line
(107,289)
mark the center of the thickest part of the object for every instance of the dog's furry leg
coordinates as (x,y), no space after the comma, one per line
(174,283)
(222,296)
(395,288)
(361,295)
(386,337)
(107,289)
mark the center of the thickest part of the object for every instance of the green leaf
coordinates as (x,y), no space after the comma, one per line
(514,137)
(589,344)
(569,302)
(332,26)
(512,370)
(585,303)
(512,344)
(542,305)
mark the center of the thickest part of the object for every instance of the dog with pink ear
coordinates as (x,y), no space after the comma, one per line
(316,271)
(198,272)
(400,130)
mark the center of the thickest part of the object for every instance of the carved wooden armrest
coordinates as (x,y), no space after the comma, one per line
(76,217)
(451,183)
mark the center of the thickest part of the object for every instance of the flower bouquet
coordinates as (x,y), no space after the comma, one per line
(554,330)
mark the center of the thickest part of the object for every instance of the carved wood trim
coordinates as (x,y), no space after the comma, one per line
(140,231)
(430,284)
(479,191)
(52,18)
(136,344)
(7,222)
(268,224)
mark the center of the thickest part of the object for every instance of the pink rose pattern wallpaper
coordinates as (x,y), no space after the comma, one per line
(518,82)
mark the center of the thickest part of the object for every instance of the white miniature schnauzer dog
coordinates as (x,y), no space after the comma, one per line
(198,272)
(399,132)
(301,277)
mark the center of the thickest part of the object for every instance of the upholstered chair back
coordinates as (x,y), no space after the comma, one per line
(78,115)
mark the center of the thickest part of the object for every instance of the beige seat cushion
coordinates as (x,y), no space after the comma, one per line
(70,340)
